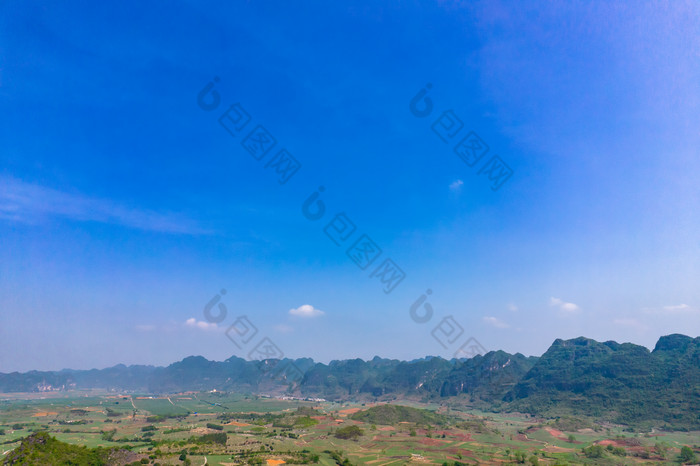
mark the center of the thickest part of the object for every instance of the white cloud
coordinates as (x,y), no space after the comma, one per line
(671,309)
(283,328)
(31,203)
(678,308)
(456,185)
(306,310)
(498,323)
(512,307)
(200,324)
(569,308)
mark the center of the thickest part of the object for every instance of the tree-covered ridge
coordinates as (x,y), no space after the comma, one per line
(623,383)
(487,377)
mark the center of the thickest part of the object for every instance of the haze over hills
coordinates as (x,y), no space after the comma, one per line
(624,383)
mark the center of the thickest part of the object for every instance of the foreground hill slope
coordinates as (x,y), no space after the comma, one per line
(42,449)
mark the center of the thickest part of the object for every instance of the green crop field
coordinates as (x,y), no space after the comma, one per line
(232,428)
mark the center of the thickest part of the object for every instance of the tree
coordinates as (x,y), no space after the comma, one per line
(571,438)
(688,455)
(661,449)
(594,451)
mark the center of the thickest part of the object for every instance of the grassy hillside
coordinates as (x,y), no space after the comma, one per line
(393,414)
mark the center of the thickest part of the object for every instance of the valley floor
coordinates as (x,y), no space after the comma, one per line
(225,429)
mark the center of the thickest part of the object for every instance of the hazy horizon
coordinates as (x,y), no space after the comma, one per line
(326,361)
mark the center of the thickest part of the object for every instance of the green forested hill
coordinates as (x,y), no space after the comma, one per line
(620,382)
(623,383)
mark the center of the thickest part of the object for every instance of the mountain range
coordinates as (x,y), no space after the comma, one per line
(621,383)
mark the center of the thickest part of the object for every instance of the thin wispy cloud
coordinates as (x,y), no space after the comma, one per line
(306,310)
(563,306)
(145,327)
(630,323)
(495,322)
(678,308)
(456,185)
(284,328)
(31,203)
(671,309)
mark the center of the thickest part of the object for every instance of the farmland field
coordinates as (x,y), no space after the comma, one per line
(232,428)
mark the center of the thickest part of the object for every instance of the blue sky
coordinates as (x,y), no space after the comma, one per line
(125,207)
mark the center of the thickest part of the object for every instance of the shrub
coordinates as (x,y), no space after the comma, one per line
(305,421)
(349,433)
(219,437)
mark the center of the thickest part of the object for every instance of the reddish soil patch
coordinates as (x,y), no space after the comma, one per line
(433,442)
(459,451)
(463,437)
(558,434)
(349,411)
(629,443)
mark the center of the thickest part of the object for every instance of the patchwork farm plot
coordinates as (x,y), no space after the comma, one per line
(217,428)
